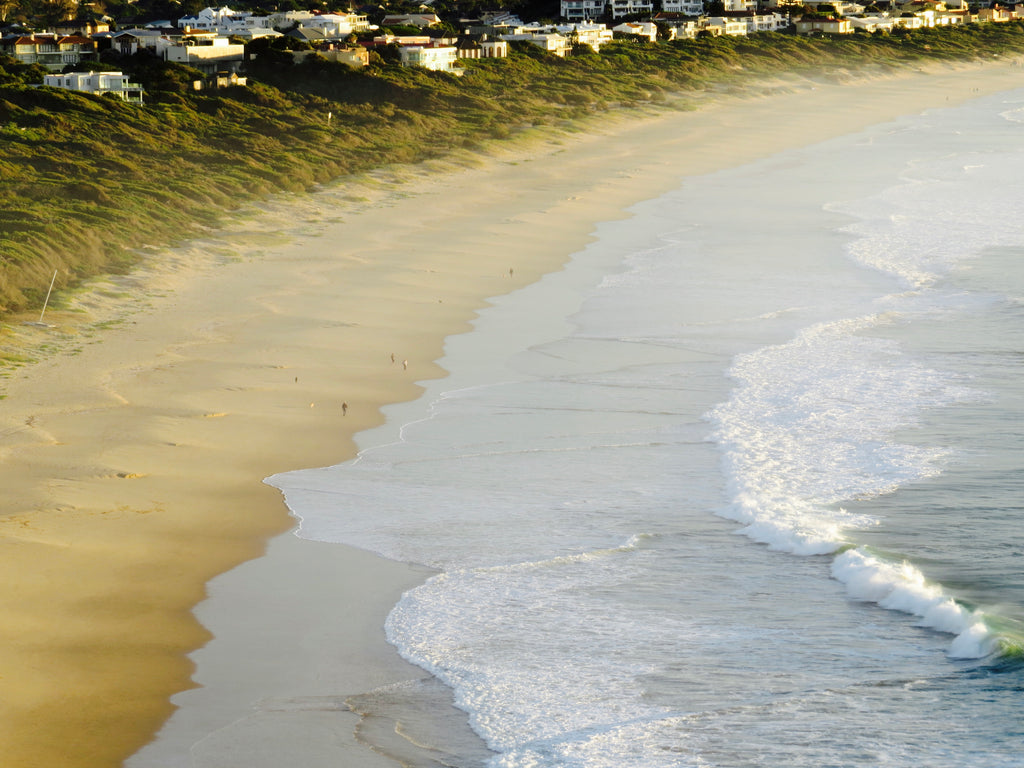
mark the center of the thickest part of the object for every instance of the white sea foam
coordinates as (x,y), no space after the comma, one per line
(809,425)
(922,229)
(902,587)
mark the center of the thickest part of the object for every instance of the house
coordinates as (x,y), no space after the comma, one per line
(480,47)
(254,33)
(740,6)
(49,50)
(357,56)
(492,23)
(581,10)
(306,34)
(826,25)
(591,35)
(335,26)
(679,26)
(683,7)
(622,8)
(83,28)
(875,22)
(759,21)
(726,25)
(353,57)
(388,39)
(411,20)
(208,53)
(229,23)
(131,41)
(218,81)
(934,18)
(847,9)
(208,19)
(439,58)
(97,83)
(223,21)
(552,42)
(996,13)
(646,29)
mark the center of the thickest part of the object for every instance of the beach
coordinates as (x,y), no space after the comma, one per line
(134,450)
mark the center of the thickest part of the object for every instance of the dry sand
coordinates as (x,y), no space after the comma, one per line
(132,451)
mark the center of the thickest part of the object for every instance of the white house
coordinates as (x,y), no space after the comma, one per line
(740,6)
(131,41)
(206,52)
(910,21)
(420,20)
(357,56)
(994,14)
(439,58)
(97,83)
(622,8)
(646,29)
(755,22)
(286,19)
(552,42)
(829,26)
(337,25)
(680,28)
(222,20)
(581,10)
(940,18)
(592,35)
(875,22)
(736,26)
(846,9)
(685,7)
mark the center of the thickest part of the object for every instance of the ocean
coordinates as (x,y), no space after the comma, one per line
(740,486)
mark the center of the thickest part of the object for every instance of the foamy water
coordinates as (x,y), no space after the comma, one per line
(814,352)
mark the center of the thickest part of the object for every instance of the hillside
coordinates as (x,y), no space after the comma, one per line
(87,180)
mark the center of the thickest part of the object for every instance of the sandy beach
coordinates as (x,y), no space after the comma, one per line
(135,443)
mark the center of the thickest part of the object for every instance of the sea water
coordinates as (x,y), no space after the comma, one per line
(742,485)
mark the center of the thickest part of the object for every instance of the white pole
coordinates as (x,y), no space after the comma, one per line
(52,280)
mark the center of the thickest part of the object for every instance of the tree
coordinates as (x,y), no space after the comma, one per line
(49,13)
(8,8)
(92,66)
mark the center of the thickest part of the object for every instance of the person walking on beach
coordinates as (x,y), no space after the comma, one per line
(344,409)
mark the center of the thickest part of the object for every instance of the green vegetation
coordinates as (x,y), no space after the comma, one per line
(87,180)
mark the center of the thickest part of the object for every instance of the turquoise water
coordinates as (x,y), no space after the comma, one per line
(742,485)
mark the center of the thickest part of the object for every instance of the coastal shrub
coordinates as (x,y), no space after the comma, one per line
(83,190)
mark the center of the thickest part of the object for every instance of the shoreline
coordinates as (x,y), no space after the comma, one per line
(133,457)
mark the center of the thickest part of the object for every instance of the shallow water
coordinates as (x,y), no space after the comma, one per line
(821,352)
